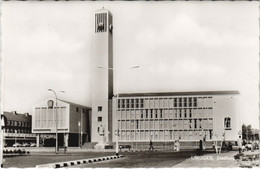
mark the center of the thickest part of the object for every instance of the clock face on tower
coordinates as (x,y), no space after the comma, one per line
(100,26)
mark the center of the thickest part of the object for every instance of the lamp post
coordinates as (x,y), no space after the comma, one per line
(15,133)
(79,133)
(56,117)
(117,130)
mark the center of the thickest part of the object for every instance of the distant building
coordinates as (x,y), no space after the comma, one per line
(73,123)
(184,116)
(18,128)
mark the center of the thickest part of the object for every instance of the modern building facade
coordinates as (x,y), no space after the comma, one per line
(183,116)
(71,121)
(18,128)
(138,117)
(102,78)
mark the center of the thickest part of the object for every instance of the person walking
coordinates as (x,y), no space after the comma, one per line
(200,147)
(176,145)
(151,145)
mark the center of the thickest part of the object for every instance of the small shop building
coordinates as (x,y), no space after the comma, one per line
(71,121)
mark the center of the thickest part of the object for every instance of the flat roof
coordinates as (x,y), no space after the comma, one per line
(232,92)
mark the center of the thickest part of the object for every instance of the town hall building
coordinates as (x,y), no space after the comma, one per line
(137,117)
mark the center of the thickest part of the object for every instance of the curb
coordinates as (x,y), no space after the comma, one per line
(78,162)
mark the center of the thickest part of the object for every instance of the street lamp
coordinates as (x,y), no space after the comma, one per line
(117,130)
(79,134)
(56,115)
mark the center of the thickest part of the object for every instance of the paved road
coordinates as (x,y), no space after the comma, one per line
(146,159)
(225,159)
(36,158)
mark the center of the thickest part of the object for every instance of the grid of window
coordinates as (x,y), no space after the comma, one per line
(163,118)
(46,118)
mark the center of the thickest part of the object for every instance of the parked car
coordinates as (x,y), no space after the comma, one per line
(249,146)
(33,145)
(26,145)
(17,145)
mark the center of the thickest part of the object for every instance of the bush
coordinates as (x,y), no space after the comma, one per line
(237,156)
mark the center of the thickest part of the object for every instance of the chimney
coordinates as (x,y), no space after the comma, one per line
(14,112)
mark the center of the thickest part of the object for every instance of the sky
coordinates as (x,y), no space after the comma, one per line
(179,46)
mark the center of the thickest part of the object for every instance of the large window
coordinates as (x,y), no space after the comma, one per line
(142,103)
(180,102)
(123,103)
(137,103)
(118,103)
(175,102)
(227,123)
(99,119)
(127,103)
(195,102)
(185,102)
(190,102)
(132,103)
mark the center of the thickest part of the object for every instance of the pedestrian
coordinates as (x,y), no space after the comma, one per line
(201,147)
(204,143)
(151,145)
(176,145)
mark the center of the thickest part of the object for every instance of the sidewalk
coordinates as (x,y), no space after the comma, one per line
(225,159)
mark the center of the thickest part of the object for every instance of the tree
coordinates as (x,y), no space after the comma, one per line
(243,131)
(247,133)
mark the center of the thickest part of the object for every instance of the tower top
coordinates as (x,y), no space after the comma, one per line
(103,10)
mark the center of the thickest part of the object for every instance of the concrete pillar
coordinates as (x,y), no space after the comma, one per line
(66,139)
(38,140)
